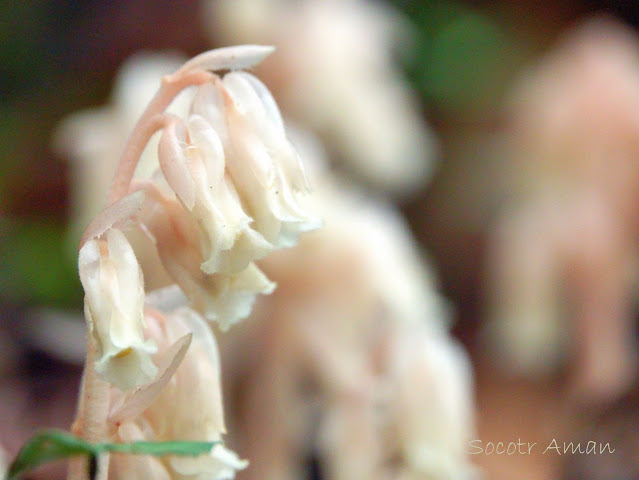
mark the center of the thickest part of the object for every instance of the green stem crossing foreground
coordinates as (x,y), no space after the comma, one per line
(52,445)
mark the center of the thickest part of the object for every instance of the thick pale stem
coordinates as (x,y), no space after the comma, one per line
(95,401)
(91,421)
(147,125)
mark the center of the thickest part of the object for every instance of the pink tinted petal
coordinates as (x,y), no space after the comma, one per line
(113,215)
(208,103)
(142,398)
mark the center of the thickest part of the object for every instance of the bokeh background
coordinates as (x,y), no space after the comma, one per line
(465,61)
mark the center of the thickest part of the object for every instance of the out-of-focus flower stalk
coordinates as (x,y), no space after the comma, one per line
(371,358)
(570,238)
(336,76)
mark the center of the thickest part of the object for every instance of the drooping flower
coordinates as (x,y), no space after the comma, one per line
(184,402)
(224,298)
(235,171)
(568,238)
(263,164)
(431,379)
(114,296)
(238,183)
(229,243)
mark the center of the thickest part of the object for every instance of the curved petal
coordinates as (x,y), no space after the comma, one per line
(142,398)
(173,161)
(113,216)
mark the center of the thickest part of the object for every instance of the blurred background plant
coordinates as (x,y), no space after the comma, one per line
(461,60)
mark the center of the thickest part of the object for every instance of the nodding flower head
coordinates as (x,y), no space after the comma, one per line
(226,196)
(238,184)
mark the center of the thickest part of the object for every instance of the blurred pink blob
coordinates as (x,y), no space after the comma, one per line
(567,245)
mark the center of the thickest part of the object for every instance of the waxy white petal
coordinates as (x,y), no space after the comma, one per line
(189,407)
(264,166)
(197,166)
(186,408)
(266,98)
(209,103)
(220,464)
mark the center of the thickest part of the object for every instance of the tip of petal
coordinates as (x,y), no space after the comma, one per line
(229,58)
(112,215)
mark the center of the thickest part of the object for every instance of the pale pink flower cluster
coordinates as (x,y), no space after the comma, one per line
(219,189)
(225,193)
